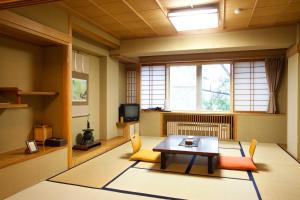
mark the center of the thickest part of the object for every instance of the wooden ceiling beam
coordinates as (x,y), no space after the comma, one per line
(140,16)
(165,13)
(94,36)
(223,7)
(78,14)
(110,15)
(252,13)
(23,28)
(6,4)
(161,7)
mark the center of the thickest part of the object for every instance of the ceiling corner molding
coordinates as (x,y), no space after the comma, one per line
(207,57)
(123,59)
(293,50)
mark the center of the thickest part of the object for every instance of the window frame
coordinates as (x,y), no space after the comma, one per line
(248,111)
(140,81)
(131,82)
(224,61)
(199,83)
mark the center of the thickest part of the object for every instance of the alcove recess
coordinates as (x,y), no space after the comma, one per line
(48,97)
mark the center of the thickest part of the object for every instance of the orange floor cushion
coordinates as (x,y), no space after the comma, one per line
(146,155)
(236,163)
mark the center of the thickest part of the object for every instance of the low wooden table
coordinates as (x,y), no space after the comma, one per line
(207,146)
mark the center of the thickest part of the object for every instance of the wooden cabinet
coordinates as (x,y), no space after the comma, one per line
(19,171)
(36,58)
(129,128)
(35,74)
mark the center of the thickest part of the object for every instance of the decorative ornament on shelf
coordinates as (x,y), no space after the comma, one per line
(31,147)
(42,133)
(86,139)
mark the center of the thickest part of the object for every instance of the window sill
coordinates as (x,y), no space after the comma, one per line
(259,113)
(146,110)
(219,113)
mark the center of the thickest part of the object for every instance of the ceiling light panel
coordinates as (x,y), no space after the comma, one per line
(194,19)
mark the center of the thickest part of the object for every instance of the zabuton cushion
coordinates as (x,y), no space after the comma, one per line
(146,156)
(236,163)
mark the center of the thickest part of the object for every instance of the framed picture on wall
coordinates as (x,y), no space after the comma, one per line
(80,88)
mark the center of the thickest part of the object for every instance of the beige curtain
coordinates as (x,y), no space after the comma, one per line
(274,68)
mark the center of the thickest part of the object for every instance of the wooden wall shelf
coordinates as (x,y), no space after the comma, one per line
(18,155)
(124,124)
(16,91)
(37,93)
(10,105)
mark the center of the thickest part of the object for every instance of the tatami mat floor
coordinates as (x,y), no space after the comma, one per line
(113,176)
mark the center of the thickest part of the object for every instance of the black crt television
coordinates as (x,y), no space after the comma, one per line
(129,112)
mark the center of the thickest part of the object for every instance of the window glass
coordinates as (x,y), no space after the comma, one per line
(183,87)
(215,90)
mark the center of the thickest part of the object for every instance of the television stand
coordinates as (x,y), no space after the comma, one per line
(129,128)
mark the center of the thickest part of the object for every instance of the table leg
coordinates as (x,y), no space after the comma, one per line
(163,158)
(210,164)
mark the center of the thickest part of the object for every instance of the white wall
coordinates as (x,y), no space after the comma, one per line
(112,74)
(263,127)
(79,123)
(112,97)
(293,105)
(21,65)
(150,123)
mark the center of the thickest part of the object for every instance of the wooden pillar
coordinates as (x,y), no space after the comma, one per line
(67,99)
(235,120)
